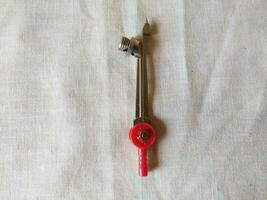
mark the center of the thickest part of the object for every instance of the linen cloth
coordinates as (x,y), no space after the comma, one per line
(67,100)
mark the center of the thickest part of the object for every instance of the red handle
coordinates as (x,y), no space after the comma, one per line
(142,162)
(142,135)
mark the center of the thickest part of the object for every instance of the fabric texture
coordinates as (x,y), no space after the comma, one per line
(67,100)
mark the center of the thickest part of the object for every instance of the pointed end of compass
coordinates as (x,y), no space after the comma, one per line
(146,28)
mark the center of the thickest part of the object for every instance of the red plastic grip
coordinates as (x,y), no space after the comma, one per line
(142,135)
(142,162)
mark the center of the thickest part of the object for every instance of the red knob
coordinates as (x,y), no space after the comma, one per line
(142,135)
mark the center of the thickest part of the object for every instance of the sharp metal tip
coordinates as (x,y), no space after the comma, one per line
(146,28)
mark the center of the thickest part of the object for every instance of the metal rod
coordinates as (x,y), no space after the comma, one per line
(141,113)
(141,91)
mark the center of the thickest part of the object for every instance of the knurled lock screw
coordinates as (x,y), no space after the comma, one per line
(131,46)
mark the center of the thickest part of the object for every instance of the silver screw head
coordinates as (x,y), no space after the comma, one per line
(131,46)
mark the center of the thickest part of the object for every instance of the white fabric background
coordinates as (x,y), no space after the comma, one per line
(67,100)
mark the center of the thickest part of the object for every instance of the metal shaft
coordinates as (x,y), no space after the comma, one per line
(141,86)
(141,92)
